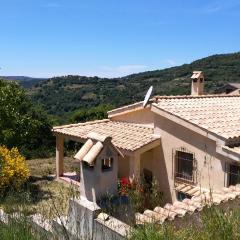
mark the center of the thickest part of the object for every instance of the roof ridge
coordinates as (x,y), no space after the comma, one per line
(191,96)
(135,124)
(81,124)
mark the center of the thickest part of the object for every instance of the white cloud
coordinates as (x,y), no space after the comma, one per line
(221,5)
(52,5)
(122,70)
(171,62)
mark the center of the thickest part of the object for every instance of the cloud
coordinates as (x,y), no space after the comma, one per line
(121,70)
(213,9)
(52,5)
(221,6)
(171,62)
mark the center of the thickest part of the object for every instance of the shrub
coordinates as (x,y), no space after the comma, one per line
(13,169)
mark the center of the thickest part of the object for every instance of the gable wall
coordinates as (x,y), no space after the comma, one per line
(210,165)
(141,116)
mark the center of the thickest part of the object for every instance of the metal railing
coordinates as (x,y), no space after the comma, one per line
(184,178)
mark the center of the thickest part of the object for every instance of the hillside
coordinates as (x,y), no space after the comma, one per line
(26,82)
(62,95)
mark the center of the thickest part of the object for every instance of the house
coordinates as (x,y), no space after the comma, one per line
(191,141)
(230,88)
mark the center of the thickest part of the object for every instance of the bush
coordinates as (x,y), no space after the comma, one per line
(13,169)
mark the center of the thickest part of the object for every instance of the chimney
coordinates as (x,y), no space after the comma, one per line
(197,83)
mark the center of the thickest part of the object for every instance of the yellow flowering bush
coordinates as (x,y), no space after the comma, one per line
(13,169)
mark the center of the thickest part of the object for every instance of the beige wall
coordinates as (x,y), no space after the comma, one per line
(153,161)
(142,116)
(173,136)
(123,166)
(96,183)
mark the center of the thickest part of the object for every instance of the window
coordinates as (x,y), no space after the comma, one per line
(184,165)
(201,80)
(234,175)
(181,196)
(107,164)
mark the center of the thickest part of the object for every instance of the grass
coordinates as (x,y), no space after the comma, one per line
(213,223)
(16,229)
(41,194)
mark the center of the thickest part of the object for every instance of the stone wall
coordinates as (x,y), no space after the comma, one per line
(82,222)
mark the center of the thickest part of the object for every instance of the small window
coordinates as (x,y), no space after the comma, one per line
(195,80)
(201,80)
(184,165)
(234,175)
(107,164)
(181,196)
(86,165)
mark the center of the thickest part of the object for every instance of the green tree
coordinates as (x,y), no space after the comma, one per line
(89,114)
(22,125)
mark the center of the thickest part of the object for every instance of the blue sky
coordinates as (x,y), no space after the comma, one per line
(112,38)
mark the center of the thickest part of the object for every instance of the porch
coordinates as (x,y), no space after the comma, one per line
(134,141)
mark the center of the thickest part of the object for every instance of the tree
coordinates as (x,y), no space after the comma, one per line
(89,114)
(22,125)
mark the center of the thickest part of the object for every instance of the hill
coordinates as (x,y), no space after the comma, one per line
(63,95)
(26,82)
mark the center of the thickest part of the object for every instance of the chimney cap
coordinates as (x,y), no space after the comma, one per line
(196,74)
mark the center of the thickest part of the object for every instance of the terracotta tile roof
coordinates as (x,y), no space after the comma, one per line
(196,74)
(196,203)
(127,136)
(219,114)
(236,85)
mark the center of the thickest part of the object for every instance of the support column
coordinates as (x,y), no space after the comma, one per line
(59,156)
(134,171)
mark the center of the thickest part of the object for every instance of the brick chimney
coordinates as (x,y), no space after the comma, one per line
(197,83)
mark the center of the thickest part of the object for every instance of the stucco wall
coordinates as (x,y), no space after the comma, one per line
(210,165)
(96,183)
(142,116)
(123,166)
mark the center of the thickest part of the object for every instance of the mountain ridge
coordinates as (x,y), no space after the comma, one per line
(63,95)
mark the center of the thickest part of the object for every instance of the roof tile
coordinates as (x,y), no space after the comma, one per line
(219,114)
(128,136)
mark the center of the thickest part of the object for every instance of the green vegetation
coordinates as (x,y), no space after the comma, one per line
(40,194)
(89,114)
(60,96)
(17,229)
(22,124)
(212,223)
(14,171)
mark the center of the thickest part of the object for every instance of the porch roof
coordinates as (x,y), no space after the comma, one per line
(127,136)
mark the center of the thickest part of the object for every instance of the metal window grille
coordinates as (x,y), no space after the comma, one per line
(184,166)
(233,174)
